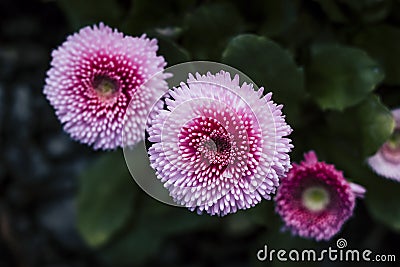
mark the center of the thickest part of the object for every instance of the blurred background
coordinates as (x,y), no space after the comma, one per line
(334,64)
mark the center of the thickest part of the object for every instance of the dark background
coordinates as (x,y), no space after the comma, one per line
(40,165)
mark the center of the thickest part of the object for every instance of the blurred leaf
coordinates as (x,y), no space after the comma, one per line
(279,16)
(367,126)
(251,221)
(339,77)
(300,33)
(105,199)
(368,10)
(145,15)
(383,198)
(382,42)
(343,11)
(332,146)
(174,220)
(377,124)
(181,220)
(208,29)
(88,12)
(134,247)
(263,214)
(152,226)
(333,11)
(172,52)
(270,66)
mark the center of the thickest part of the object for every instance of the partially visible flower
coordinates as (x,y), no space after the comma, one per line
(386,161)
(220,146)
(314,200)
(358,190)
(97,77)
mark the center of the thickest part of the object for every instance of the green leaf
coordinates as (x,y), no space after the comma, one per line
(339,77)
(367,125)
(377,124)
(383,198)
(152,226)
(88,12)
(145,15)
(105,199)
(263,214)
(343,11)
(382,42)
(332,10)
(279,16)
(298,35)
(367,10)
(208,29)
(270,66)
(134,247)
(172,52)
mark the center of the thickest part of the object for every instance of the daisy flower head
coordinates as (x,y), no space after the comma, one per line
(315,200)
(219,146)
(386,162)
(98,76)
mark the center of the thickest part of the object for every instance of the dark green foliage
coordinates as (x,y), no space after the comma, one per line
(334,64)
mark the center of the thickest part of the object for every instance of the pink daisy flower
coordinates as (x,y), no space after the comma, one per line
(98,76)
(386,161)
(220,146)
(314,200)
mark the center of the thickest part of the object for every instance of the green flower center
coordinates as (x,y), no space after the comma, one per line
(105,86)
(315,198)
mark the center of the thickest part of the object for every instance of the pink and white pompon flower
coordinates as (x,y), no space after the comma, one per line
(386,161)
(97,77)
(315,200)
(219,146)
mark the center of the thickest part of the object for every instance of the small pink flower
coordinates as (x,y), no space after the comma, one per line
(386,161)
(220,146)
(314,200)
(98,76)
